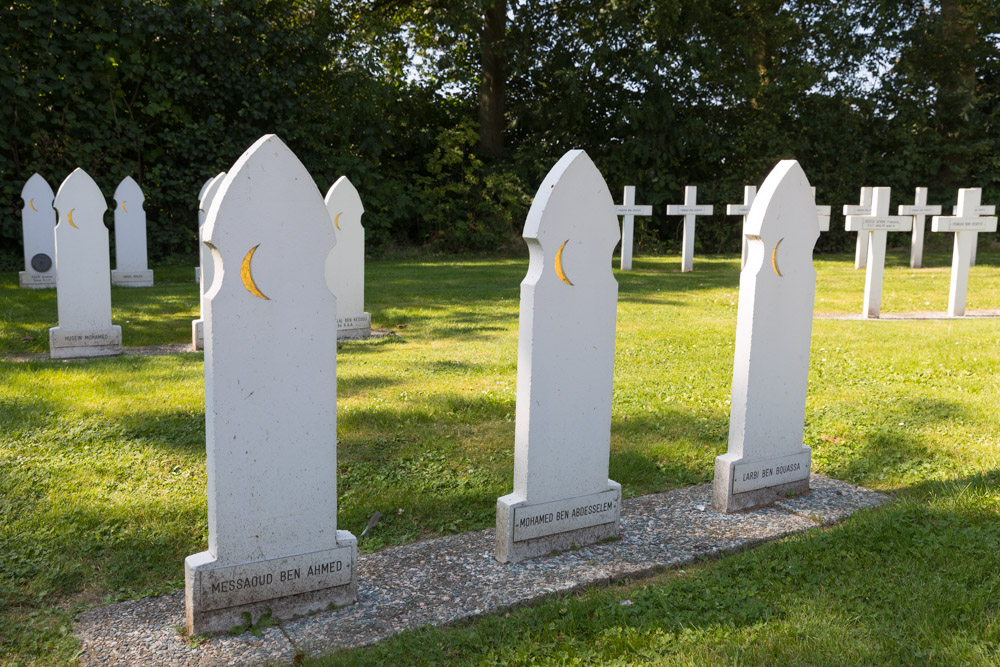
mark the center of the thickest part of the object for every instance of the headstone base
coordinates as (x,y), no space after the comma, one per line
(70,344)
(198,334)
(216,597)
(33,280)
(132,278)
(527,531)
(742,485)
(354,326)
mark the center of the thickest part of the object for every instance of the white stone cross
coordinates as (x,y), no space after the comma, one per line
(83,273)
(565,366)
(270,402)
(863,208)
(689,209)
(970,218)
(766,459)
(876,227)
(919,209)
(345,272)
(749,192)
(205,272)
(982,210)
(628,210)
(131,269)
(38,222)
(823,213)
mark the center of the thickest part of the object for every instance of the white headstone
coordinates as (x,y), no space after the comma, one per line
(270,403)
(346,271)
(38,222)
(205,272)
(876,226)
(201,222)
(689,209)
(749,192)
(969,219)
(565,365)
(83,273)
(766,459)
(919,210)
(628,210)
(823,213)
(863,208)
(131,269)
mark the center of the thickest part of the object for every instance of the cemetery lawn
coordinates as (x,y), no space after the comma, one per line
(102,465)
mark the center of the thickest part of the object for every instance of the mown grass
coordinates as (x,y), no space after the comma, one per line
(102,472)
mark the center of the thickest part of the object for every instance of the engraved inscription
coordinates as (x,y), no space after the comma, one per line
(564,515)
(772,472)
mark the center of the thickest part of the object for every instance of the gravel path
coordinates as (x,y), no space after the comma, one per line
(922,315)
(455,578)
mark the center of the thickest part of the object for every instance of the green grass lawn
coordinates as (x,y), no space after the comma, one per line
(102,465)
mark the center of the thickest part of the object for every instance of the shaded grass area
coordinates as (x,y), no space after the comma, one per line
(102,469)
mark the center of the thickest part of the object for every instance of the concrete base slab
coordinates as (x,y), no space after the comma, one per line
(132,278)
(65,344)
(33,280)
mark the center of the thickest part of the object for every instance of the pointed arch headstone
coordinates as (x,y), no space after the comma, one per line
(749,192)
(201,223)
(766,458)
(83,273)
(566,347)
(270,402)
(131,269)
(205,272)
(345,272)
(38,223)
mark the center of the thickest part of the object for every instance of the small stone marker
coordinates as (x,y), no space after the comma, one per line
(83,273)
(131,269)
(766,459)
(863,208)
(628,210)
(823,213)
(970,218)
(749,192)
(566,347)
(876,227)
(346,270)
(919,209)
(270,403)
(206,272)
(689,209)
(38,222)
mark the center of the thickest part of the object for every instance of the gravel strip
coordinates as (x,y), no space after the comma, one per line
(455,578)
(924,315)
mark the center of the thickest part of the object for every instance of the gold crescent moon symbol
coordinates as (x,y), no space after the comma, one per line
(69,218)
(32,205)
(774,257)
(247,275)
(336,218)
(123,207)
(559,268)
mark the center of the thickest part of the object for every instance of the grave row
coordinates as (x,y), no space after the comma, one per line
(271,419)
(38,221)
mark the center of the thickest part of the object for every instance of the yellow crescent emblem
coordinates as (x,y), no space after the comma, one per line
(559,269)
(247,275)
(123,207)
(336,218)
(774,257)
(69,218)
(32,205)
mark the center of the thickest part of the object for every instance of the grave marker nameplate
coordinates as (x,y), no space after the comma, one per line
(270,403)
(749,192)
(628,210)
(346,269)
(83,273)
(863,208)
(131,269)
(689,209)
(876,227)
(565,364)
(766,459)
(970,218)
(206,272)
(919,209)
(38,223)
(823,213)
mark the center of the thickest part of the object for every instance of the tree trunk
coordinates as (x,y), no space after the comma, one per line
(492,85)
